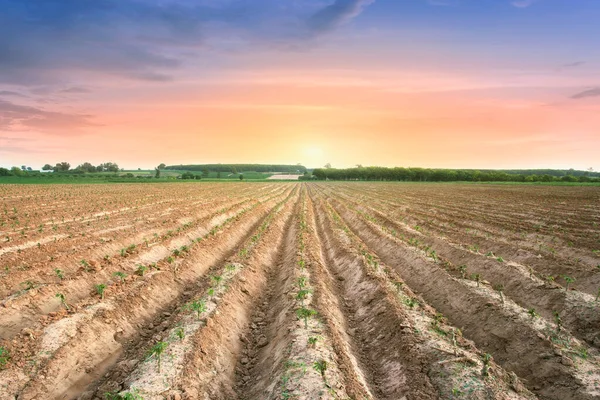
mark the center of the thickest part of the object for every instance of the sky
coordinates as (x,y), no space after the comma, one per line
(422,83)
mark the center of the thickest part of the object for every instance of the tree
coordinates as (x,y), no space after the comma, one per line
(241,177)
(47,167)
(16,171)
(157,172)
(328,165)
(86,167)
(162,166)
(5,172)
(62,167)
(205,172)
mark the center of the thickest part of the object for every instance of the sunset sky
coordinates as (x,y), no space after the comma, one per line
(428,83)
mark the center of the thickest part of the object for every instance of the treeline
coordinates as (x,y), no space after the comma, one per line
(446,175)
(82,168)
(238,168)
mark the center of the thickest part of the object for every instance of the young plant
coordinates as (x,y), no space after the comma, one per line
(63,300)
(485,372)
(500,289)
(59,274)
(156,351)
(321,366)
(569,280)
(302,294)
(558,321)
(198,306)
(180,333)
(301,282)
(533,313)
(217,279)
(100,288)
(4,357)
(141,270)
(476,278)
(312,341)
(463,271)
(305,313)
(120,275)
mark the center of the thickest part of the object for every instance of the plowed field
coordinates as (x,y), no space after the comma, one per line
(299,291)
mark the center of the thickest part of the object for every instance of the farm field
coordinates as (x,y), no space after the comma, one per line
(289,290)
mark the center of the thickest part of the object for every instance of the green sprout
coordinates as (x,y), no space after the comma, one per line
(569,280)
(305,313)
(141,270)
(59,273)
(120,275)
(485,372)
(4,357)
(156,351)
(321,366)
(100,288)
(312,341)
(198,306)
(63,300)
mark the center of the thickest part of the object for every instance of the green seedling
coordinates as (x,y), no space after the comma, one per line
(302,294)
(120,275)
(133,395)
(156,351)
(198,306)
(59,274)
(141,270)
(485,372)
(312,341)
(180,333)
(477,278)
(569,280)
(100,288)
(63,300)
(217,279)
(4,357)
(321,366)
(85,264)
(399,285)
(558,321)
(532,313)
(301,282)
(463,271)
(500,289)
(211,292)
(500,259)
(411,302)
(305,313)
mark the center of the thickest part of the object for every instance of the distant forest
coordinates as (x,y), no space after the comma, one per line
(239,168)
(451,175)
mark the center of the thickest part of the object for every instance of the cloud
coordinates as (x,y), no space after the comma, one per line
(60,41)
(594,92)
(336,14)
(573,64)
(523,3)
(11,93)
(76,90)
(15,117)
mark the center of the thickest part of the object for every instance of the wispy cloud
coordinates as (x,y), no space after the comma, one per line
(523,3)
(15,117)
(573,64)
(336,14)
(11,93)
(76,90)
(594,92)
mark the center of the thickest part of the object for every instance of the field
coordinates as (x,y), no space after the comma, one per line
(288,290)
